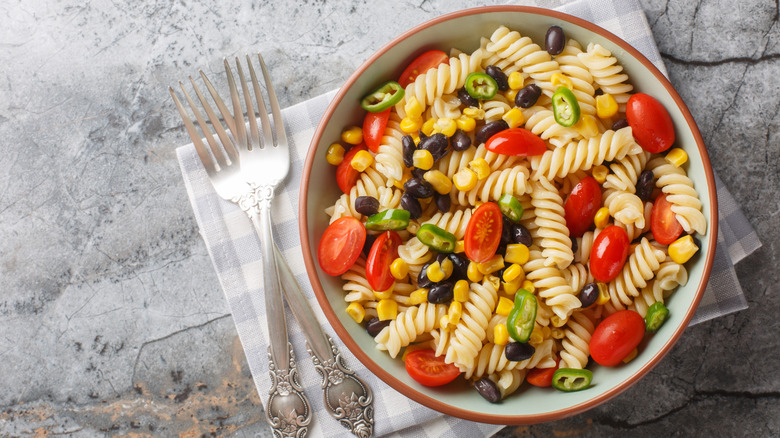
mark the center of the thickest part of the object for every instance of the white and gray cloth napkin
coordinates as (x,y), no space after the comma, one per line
(235,251)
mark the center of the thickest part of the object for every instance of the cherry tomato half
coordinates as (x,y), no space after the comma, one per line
(374,128)
(663,222)
(581,206)
(616,336)
(516,141)
(483,232)
(609,252)
(341,245)
(346,175)
(650,123)
(423,63)
(383,252)
(542,377)
(428,369)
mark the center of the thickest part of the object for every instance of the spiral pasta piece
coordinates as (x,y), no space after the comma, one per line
(541,121)
(584,245)
(512,180)
(356,285)
(408,325)
(680,193)
(508,381)
(548,207)
(551,286)
(389,160)
(415,254)
(577,275)
(454,222)
(495,108)
(607,73)
(577,334)
(633,230)
(641,266)
(580,76)
(469,333)
(445,106)
(625,207)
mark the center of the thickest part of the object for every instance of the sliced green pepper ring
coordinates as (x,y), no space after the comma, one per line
(389,94)
(656,316)
(510,207)
(390,219)
(437,238)
(571,379)
(521,319)
(481,86)
(566,109)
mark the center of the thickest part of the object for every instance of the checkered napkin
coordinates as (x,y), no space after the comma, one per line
(235,251)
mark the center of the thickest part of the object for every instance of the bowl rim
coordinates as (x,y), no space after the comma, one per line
(424,399)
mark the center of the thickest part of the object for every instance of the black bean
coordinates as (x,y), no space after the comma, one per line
(620,124)
(518,351)
(412,205)
(370,238)
(574,245)
(460,141)
(422,278)
(589,294)
(644,185)
(527,96)
(499,76)
(555,40)
(466,99)
(419,188)
(441,293)
(506,230)
(408,148)
(443,202)
(418,173)
(366,205)
(488,390)
(460,266)
(374,326)
(440,257)
(489,129)
(436,144)
(520,234)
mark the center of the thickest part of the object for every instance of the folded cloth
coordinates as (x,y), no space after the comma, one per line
(235,251)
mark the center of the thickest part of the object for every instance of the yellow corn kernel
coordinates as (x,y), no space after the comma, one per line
(335,154)
(606,106)
(512,272)
(529,286)
(677,157)
(559,79)
(510,95)
(517,253)
(356,311)
(409,125)
(493,280)
(500,334)
(438,180)
(557,333)
(600,173)
(352,135)
(603,293)
(511,287)
(444,322)
(465,123)
(423,159)
(384,294)
(631,356)
(682,249)
(387,309)
(399,269)
(413,108)
(474,113)
(557,321)
(465,179)
(480,167)
(473,273)
(447,267)
(514,117)
(494,264)
(504,306)
(460,247)
(427,127)
(455,311)
(460,292)
(446,126)
(602,218)
(435,272)
(587,126)
(418,297)
(515,80)
(362,160)
(537,335)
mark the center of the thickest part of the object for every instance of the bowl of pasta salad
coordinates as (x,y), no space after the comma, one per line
(507,214)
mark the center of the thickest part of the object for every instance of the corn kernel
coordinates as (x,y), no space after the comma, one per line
(352,135)
(473,273)
(511,287)
(399,269)
(504,306)
(447,267)
(427,127)
(362,161)
(460,247)
(474,113)
(537,335)
(356,311)
(515,80)
(587,126)
(384,294)
(529,286)
(603,293)
(444,322)
(480,167)
(512,272)
(460,292)
(493,280)
(606,106)
(510,94)
(465,179)
(601,219)
(514,117)
(631,356)
(500,334)
(455,311)
(387,309)
(418,297)
(435,272)
(600,173)
(682,249)
(335,154)
(439,181)
(677,157)
(559,79)
(410,126)
(517,253)
(494,264)
(557,333)
(446,126)
(556,321)
(413,108)
(423,159)
(465,123)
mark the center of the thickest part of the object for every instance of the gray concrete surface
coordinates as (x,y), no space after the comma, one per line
(111,318)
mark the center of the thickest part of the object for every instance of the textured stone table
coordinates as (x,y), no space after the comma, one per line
(111,318)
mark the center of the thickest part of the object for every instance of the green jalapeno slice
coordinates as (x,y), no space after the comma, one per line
(390,219)
(520,321)
(383,97)
(656,316)
(566,109)
(481,86)
(510,207)
(436,238)
(571,379)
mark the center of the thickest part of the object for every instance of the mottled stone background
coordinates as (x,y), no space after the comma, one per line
(111,318)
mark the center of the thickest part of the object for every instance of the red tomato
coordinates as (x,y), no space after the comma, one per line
(428,369)
(483,232)
(341,245)
(542,377)
(581,206)
(663,222)
(650,123)
(423,63)
(346,175)
(609,252)
(616,336)
(374,128)
(516,141)
(382,254)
